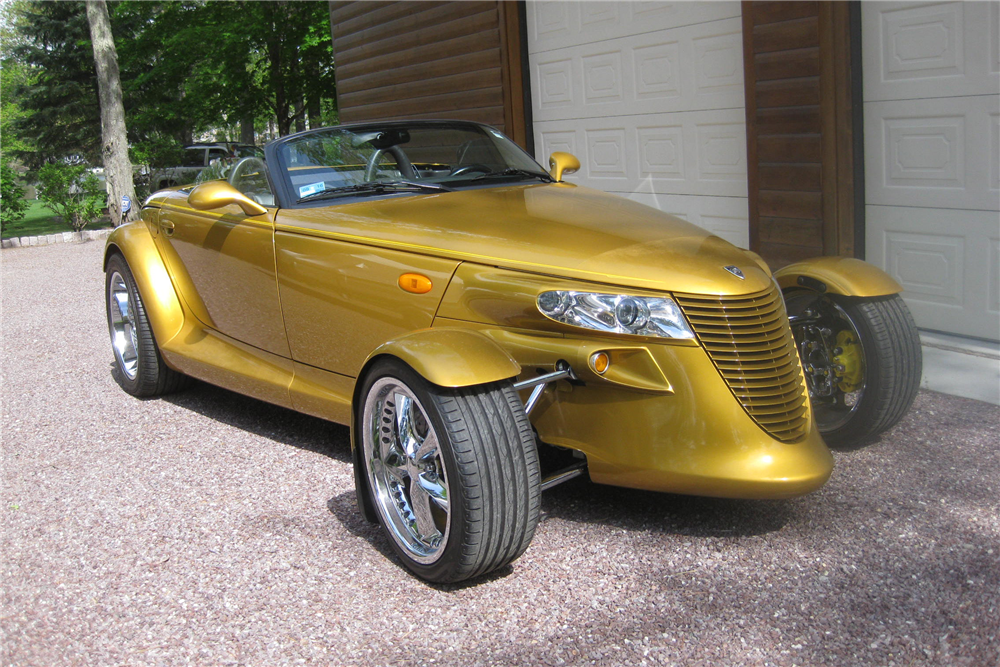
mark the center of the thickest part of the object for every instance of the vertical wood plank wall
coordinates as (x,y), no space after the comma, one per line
(800,149)
(430,60)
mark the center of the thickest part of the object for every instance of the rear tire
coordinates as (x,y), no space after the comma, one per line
(452,473)
(139,368)
(877,372)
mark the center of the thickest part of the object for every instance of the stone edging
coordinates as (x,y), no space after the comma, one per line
(64,237)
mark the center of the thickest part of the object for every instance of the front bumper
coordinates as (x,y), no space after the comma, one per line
(665,420)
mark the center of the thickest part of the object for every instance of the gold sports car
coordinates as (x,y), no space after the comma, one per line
(488,330)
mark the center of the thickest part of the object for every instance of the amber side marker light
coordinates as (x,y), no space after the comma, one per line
(415,283)
(600,362)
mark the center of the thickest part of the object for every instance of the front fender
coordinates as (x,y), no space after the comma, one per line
(451,357)
(163,308)
(838,275)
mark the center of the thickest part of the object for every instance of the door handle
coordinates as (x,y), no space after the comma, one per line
(167,226)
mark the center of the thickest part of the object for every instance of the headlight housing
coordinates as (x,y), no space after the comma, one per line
(658,316)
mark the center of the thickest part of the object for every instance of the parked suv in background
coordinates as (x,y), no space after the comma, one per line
(197,157)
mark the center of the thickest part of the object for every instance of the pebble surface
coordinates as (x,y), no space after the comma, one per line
(206,528)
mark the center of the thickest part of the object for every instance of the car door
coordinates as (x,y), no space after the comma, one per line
(227,258)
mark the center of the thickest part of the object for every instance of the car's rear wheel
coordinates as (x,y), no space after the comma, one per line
(861,358)
(453,473)
(139,368)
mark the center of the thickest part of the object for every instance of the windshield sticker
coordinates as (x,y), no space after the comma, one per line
(306,190)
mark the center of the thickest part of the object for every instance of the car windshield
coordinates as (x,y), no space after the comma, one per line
(378,160)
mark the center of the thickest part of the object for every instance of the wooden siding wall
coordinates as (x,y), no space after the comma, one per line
(800,129)
(457,60)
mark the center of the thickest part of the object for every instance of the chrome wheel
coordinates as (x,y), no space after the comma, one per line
(405,470)
(124,338)
(833,358)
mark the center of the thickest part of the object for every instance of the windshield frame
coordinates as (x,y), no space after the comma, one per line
(288,197)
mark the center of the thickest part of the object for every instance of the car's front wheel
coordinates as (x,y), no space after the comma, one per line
(453,473)
(861,358)
(139,369)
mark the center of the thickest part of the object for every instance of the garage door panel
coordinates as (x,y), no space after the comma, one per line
(695,153)
(558,25)
(937,153)
(917,51)
(947,262)
(684,69)
(649,96)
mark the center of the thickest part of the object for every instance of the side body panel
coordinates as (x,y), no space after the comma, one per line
(228,257)
(342,300)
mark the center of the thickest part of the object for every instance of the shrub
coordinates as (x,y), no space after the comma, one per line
(72,193)
(12,203)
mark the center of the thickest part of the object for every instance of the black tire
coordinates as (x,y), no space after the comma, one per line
(485,460)
(139,368)
(887,378)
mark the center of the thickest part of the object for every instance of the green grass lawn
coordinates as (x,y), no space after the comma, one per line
(39,220)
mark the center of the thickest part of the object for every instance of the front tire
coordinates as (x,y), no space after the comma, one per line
(139,368)
(453,473)
(862,361)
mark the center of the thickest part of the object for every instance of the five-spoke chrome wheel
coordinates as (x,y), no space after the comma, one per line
(451,473)
(124,339)
(405,470)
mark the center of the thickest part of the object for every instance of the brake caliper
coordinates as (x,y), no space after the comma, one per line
(847,362)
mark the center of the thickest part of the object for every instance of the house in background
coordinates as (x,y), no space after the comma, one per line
(792,128)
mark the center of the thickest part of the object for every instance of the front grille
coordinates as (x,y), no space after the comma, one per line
(751,344)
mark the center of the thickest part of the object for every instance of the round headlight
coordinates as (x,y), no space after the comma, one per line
(554,304)
(631,313)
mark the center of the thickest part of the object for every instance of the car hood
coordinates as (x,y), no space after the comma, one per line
(555,229)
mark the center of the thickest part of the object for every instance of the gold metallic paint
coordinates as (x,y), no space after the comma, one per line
(163,308)
(541,229)
(228,259)
(694,438)
(841,275)
(214,195)
(659,418)
(342,300)
(452,357)
(561,163)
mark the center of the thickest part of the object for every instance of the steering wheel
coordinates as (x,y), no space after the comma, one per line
(243,168)
(458,171)
(402,163)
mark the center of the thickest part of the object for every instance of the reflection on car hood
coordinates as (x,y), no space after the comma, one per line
(556,229)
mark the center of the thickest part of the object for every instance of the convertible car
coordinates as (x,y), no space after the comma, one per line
(489,330)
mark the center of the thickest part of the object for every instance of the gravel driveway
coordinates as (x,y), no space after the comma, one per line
(211,529)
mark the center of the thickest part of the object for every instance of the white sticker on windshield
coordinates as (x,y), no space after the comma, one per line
(307,190)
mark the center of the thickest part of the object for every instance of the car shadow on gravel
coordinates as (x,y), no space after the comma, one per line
(266,420)
(345,508)
(582,501)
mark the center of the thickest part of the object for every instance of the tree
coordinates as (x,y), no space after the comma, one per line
(114,149)
(59,100)
(71,192)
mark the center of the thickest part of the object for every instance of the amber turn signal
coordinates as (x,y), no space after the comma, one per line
(415,283)
(600,361)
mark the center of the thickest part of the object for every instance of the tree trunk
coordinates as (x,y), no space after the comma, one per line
(117,166)
(246,128)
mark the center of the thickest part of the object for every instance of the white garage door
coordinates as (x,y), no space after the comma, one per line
(932,158)
(649,96)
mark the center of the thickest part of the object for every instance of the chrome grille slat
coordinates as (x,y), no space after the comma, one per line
(749,341)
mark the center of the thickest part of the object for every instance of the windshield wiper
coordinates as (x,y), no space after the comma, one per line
(514,171)
(379,187)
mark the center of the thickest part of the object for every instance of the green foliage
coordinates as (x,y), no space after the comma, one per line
(12,203)
(71,192)
(151,157)
(187,66)
(62,115)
